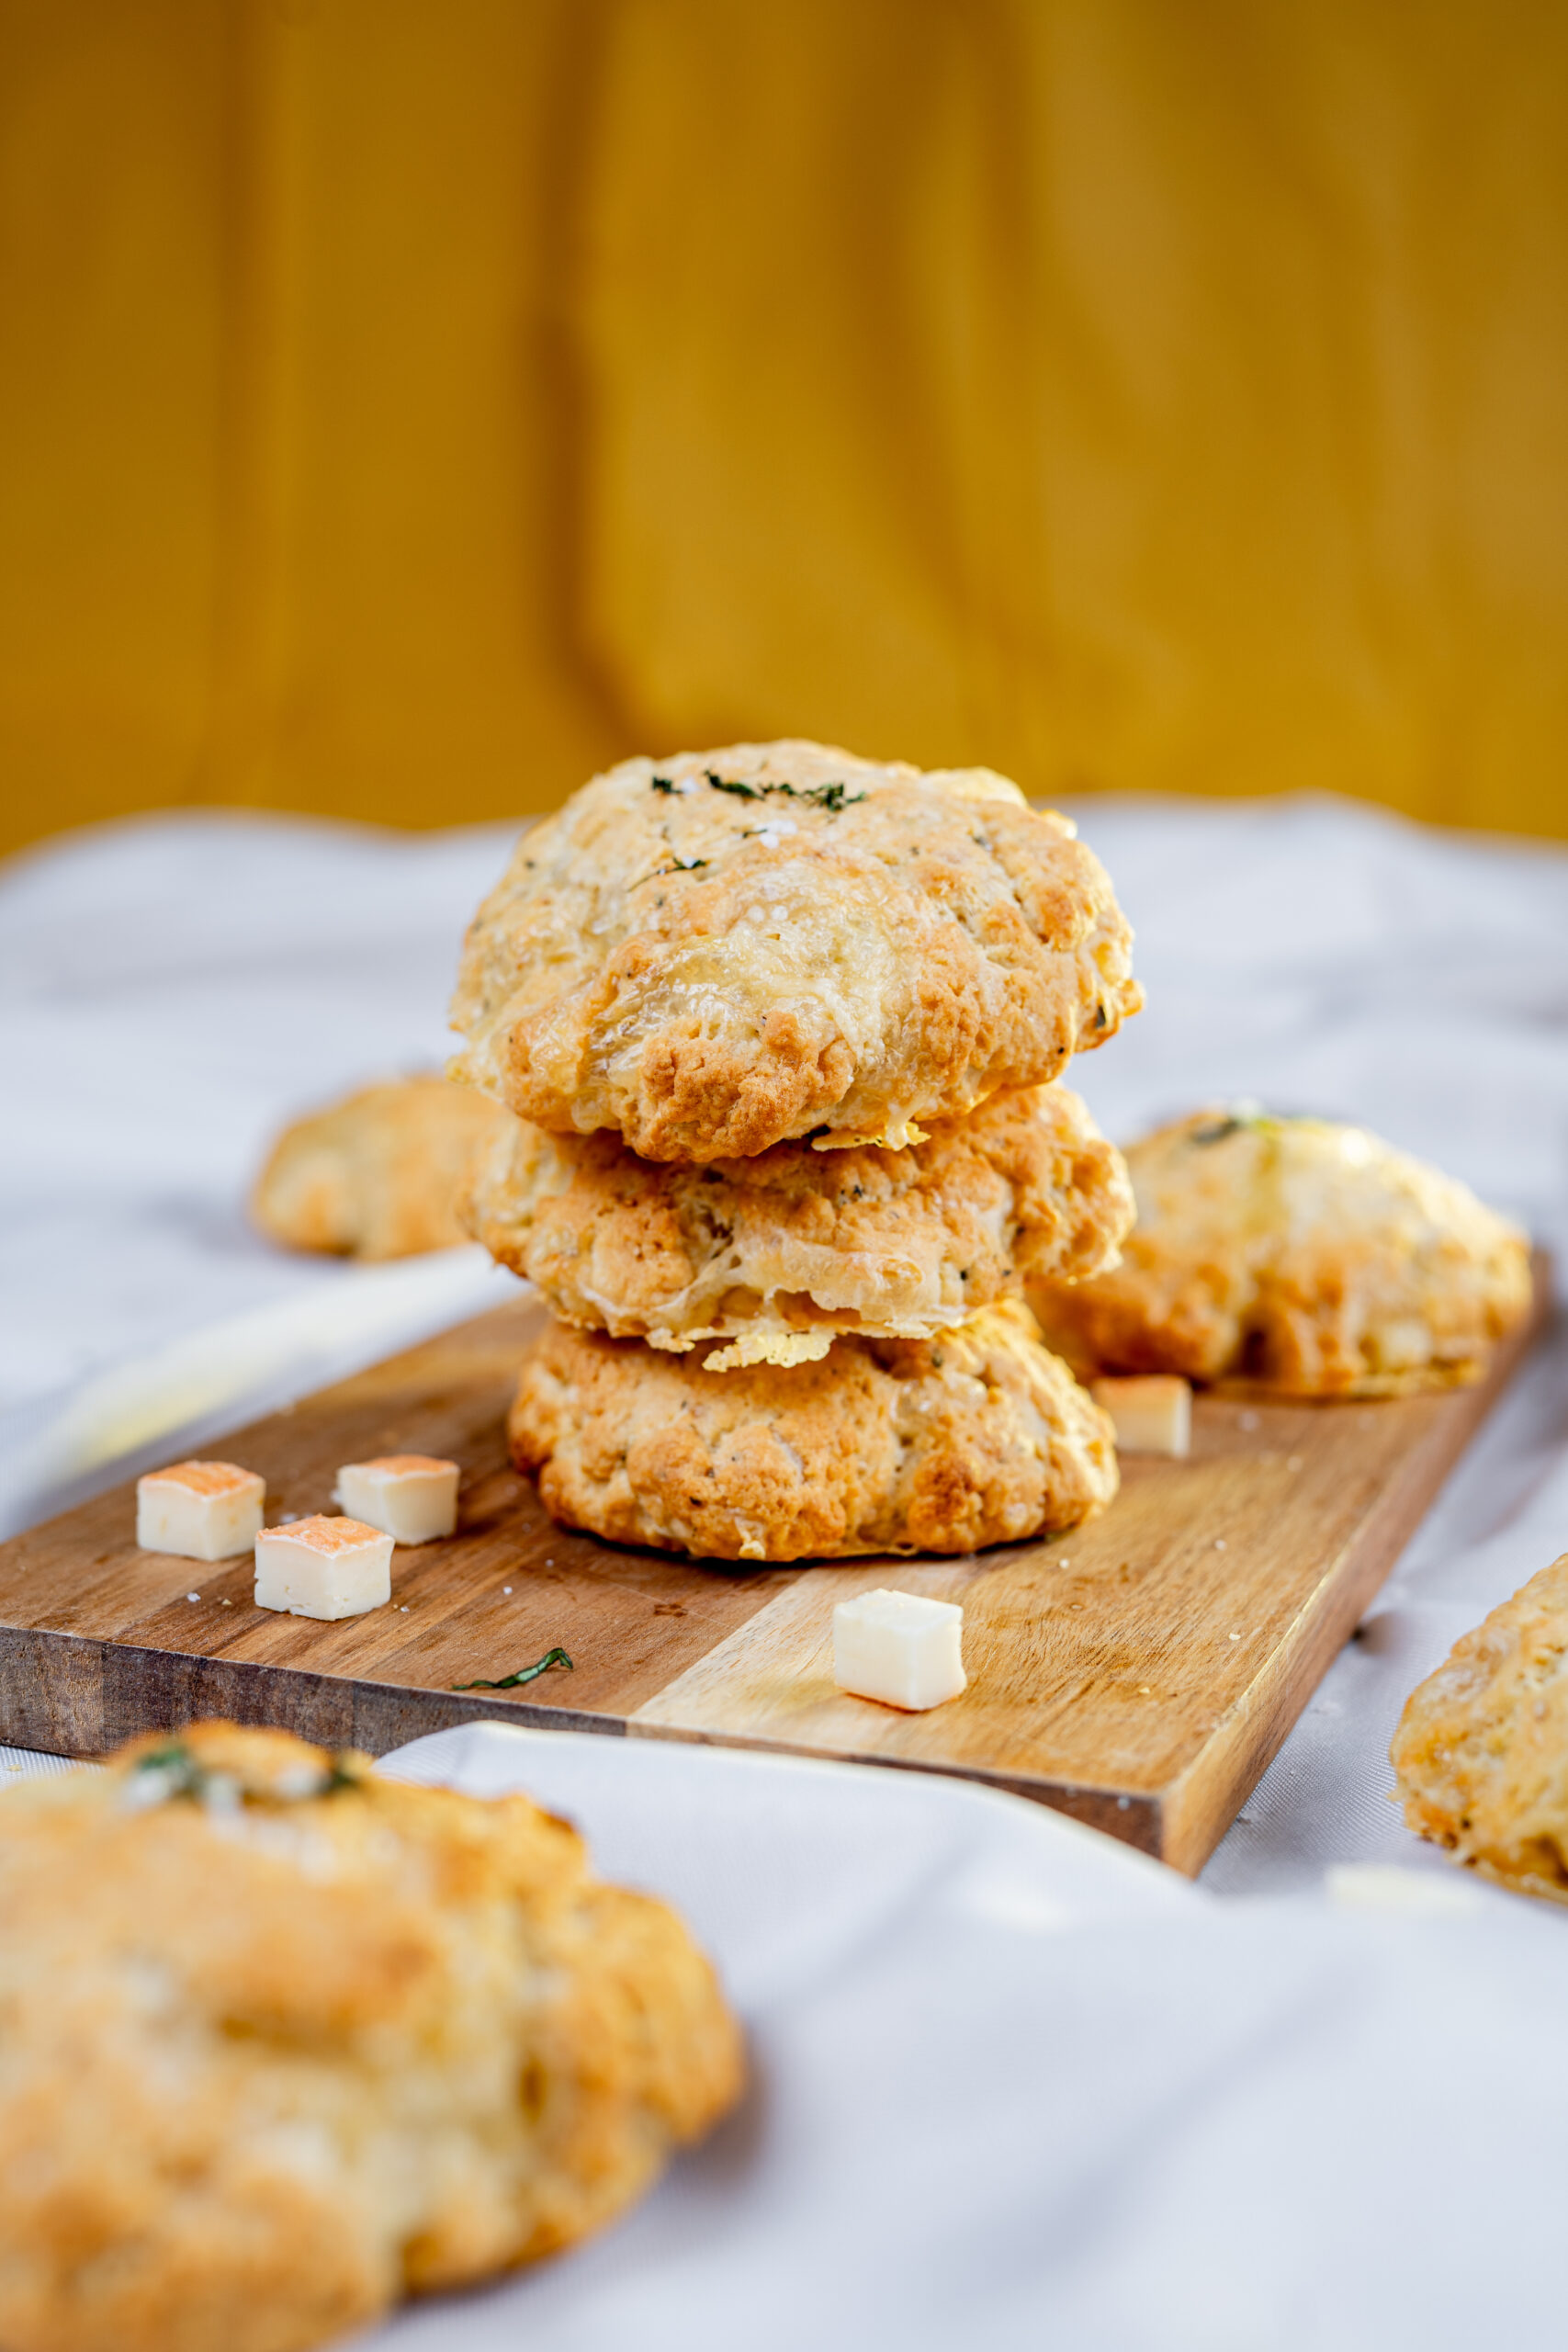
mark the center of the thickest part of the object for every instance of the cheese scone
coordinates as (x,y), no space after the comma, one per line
(979,1436)
(281,2040)
(712,954)
(378,1174)
(779,1253)
(1482,1749)
(1303,1256)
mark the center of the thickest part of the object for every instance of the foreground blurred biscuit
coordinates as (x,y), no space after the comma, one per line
(1482,1749)
(780,1252)
(282,2039)
(377,1175)
(716,953)
(1303,1256)
(979,1436)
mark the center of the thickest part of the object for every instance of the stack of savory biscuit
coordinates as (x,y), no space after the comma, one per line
(780,1027)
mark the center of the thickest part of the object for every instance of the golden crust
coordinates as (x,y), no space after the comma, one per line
(1307,1258)
(716,952)
(782,1251)
(1482,1749)
(929,1445)
(275,2049)
(377,1175)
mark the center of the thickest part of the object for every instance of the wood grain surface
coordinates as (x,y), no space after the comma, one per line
(1139,1673)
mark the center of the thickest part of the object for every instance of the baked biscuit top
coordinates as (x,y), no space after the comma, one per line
(721,951)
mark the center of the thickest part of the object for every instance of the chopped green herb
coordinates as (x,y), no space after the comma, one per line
(1232,1124)
(662,784)
(175,1766)
(681,865)
(172,1771)
(523,1674)
(830,797)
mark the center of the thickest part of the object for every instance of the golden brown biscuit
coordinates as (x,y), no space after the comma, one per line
(378,1174)
(716,953)
(780,1252)
(282,2039)
(1306,1257)
(976,1437)
(1482,1749)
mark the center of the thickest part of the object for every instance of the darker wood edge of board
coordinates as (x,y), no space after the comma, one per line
(70,1694)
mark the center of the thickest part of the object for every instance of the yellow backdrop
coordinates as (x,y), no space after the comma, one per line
(407,404)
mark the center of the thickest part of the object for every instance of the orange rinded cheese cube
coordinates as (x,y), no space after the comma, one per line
(323,1567)
(199,1511)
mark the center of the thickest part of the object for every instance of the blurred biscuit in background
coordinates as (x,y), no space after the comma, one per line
(1482,1749)
(1297,1255)
(379,1174)
(287,2039)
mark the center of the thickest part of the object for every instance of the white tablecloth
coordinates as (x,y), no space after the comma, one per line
(173,989)
(1273,2126)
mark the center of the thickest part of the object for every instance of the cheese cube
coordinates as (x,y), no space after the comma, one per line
(1153,1413)
(323,1567)
(899,1648)
(412,1497)
(199,1511)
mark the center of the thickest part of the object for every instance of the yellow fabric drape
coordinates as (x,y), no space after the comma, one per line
(404,407)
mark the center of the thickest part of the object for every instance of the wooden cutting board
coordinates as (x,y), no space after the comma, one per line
(1139,1673)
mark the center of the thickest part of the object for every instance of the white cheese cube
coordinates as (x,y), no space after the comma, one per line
(323,1567)
(899,1648)
(412,1497)
(199,1511)
(1153,1413)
